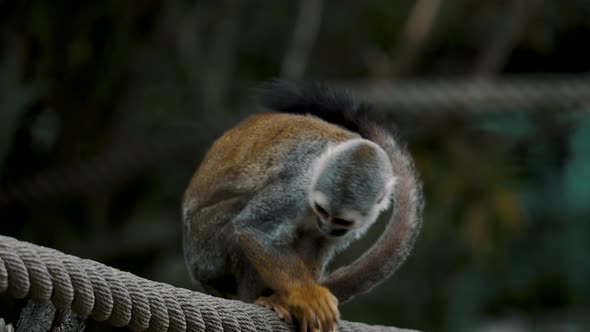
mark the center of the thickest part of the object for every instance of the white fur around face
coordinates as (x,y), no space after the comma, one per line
(387,193)
(319,198)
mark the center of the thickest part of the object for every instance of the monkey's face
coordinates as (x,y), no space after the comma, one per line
(333,223)
(336,217)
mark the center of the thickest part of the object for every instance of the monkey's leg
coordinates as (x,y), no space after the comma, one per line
(250,285)
(206,245)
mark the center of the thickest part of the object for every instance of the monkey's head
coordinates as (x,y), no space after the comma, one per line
(351,184)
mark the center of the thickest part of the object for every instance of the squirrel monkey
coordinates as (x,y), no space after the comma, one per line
(276,196)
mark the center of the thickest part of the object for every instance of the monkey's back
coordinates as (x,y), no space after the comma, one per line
(250,158)
(257,151)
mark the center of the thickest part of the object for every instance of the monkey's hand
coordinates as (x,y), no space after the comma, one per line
(313,306)
(295,291)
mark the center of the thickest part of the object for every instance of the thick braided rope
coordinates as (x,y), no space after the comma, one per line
(123,299)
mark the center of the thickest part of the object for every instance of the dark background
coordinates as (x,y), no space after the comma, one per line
(106,108)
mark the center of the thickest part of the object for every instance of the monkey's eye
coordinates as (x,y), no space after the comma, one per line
(342,222)
(321,210)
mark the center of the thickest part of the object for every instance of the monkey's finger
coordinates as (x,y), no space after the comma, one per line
(331,310)
(310,319)
(313,328)
(279,313)
(319,312)
(303,324)
(263,302)
(320,318)
(329,320)
(266,305)
(283,313)
(329,327)
(334,305)
(329,303)
(316,321)
(325,326)
(335,313)
(328,323)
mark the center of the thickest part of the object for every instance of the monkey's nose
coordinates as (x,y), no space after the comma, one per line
(342,222)
(338,232)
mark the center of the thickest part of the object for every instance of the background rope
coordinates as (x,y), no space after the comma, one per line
(123,299)
(454,94)
(570,92)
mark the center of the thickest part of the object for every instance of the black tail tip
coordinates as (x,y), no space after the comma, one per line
(279,95)
(332,104)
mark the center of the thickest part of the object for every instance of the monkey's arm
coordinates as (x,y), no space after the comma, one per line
(264,232)
(295,290)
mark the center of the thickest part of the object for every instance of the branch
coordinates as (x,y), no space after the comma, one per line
(415,32)
(496,54)
(304,36)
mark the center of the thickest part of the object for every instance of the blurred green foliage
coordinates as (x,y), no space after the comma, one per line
(106,108)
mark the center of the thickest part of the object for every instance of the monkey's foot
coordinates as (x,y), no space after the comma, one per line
(272,302)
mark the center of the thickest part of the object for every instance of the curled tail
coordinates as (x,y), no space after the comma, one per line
(396,242)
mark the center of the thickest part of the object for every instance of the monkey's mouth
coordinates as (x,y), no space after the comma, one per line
(337,232)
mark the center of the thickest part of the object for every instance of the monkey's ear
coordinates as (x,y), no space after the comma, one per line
(385,195)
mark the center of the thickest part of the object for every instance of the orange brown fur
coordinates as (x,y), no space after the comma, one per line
(243,155)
